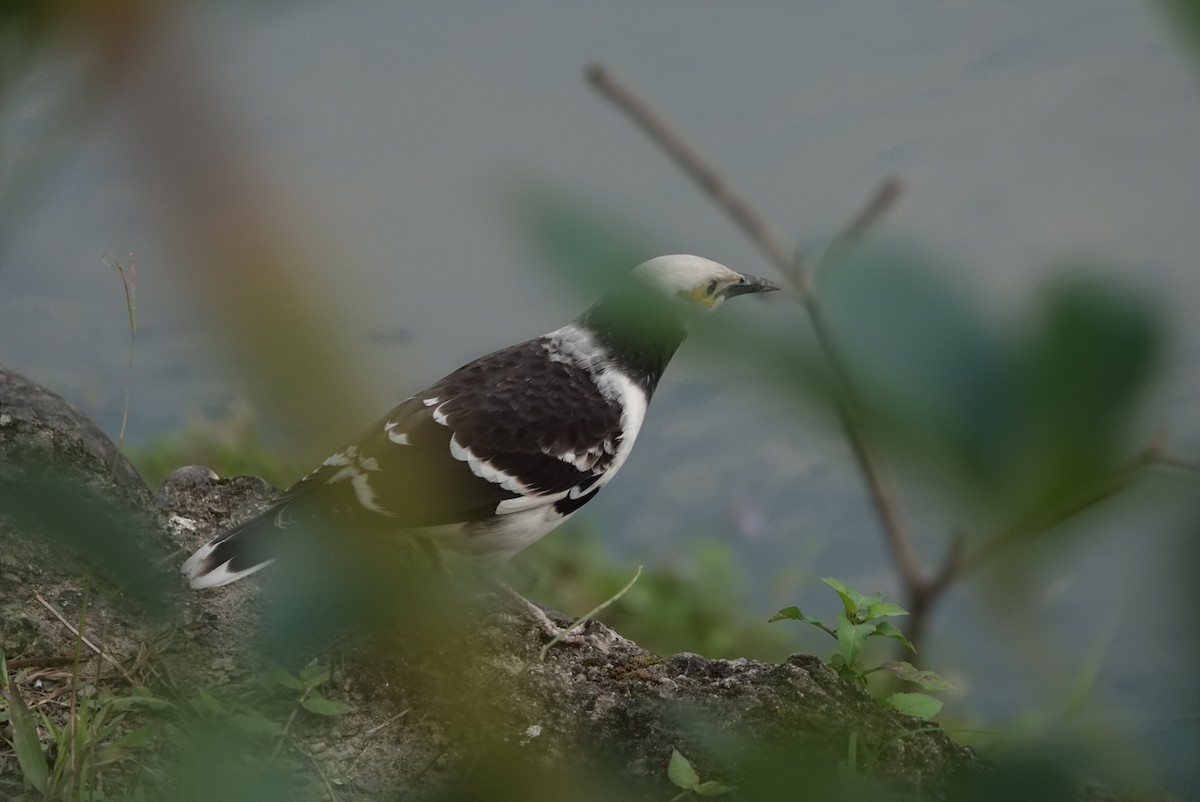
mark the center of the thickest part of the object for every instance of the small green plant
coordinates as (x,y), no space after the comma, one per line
(67,762)
(681,773)
(305,686)
(861,618)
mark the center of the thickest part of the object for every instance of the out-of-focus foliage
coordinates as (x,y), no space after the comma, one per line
(232,446)
(24,27)
(696,605)
(1017,418)
(107,536)
(1184,16)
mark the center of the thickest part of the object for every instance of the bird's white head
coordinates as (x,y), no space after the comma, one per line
(702,283)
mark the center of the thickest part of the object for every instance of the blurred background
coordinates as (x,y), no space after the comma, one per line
(324,196)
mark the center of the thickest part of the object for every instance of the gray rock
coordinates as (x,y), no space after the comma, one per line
(38,424)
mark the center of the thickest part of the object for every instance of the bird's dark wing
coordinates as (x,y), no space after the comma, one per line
(510,431)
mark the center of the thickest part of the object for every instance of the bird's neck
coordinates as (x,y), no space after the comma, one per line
(639,334)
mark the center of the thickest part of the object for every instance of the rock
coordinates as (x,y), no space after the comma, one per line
(441,705)
(36,424)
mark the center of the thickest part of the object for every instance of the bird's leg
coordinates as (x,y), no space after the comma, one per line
(544,624)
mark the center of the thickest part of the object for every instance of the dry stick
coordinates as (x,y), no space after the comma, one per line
(320,772)
(83,638)
(879,483)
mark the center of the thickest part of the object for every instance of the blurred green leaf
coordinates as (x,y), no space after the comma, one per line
(1184,17)
(680,771)
(318,704)
(713,788)
(312,676)
(275,675)
(142,736)
(918,705)
(1085,363)
(252,722)
(48,502)
(931,372)
(587,244)
(910,673)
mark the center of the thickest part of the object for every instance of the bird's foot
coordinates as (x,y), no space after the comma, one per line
(571,634)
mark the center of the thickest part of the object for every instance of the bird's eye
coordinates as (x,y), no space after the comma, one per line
(711,288)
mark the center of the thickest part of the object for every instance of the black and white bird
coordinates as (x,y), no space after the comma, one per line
(503,450)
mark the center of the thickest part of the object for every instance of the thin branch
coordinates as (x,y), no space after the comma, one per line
(879,204)
(320,772)
(1178,463)
(83,638)
(692,163)
(762,234)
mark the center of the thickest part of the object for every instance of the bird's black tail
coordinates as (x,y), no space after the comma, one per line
(234,554)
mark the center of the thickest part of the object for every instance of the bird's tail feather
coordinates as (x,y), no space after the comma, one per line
(232,555)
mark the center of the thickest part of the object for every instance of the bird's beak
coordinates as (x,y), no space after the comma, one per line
(748,284)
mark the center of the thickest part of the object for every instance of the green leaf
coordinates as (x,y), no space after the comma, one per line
(680,772)
(888,630)
(852,600)
(918,705)
(882,609)
(713,788)
(209,703)
(284,679)
(25,738)
(139,737)
(793,614)
(315,703)
(254,723)
(141,697)
(851,639)
(910,673)
(313,676)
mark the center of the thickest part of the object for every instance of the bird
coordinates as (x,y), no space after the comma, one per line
(499,453)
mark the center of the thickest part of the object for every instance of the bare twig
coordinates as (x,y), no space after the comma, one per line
(287,725)
(30,662)
(879,204)
(320,772)
(692,163)
(83,638)
(763,235)
(390,720)
(1178,463)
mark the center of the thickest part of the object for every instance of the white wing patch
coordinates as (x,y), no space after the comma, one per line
(399,438)
(485,470)
(585,461)
(524,503)
(351,465)
(342,457)
(437,403)
(365,495)
(616,384)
